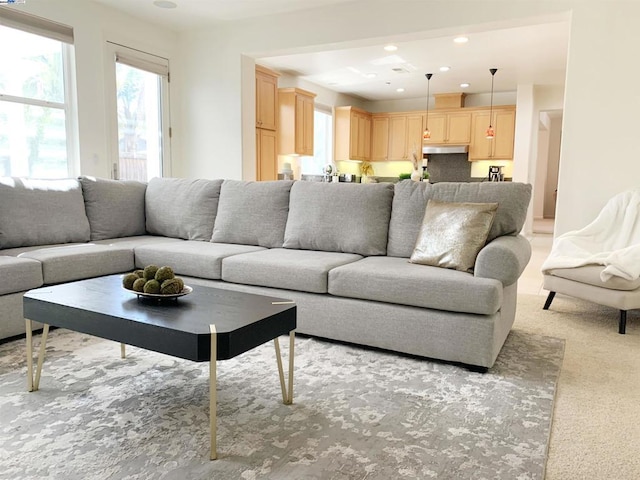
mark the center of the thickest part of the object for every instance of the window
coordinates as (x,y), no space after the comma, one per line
(322,144)
(36,139)
(141,85)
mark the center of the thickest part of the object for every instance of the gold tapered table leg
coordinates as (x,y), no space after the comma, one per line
(213,393)
(123,350)
(287,390)
(34,383)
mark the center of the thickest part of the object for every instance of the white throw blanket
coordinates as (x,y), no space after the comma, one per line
(612,240)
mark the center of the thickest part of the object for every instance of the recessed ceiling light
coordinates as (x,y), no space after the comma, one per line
(400,90)
(333,84)
(390,48)
(371,75)
(165,4)
(464,85)
(445,69)
(461,39)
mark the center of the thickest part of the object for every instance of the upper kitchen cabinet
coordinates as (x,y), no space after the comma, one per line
(405,136)
(295,117)
(379,137)
(352,134)
(266,98)
(501,146)
(452,128)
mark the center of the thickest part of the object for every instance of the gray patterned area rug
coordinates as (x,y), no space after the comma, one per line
(357,414)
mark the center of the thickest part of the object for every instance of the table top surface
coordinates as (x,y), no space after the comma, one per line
(102,307)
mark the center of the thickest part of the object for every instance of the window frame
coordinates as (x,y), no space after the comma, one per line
(150,63)
(64,35)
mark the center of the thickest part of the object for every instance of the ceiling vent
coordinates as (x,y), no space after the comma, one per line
(400,70)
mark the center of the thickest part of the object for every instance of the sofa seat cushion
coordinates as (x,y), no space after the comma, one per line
(76,262)
(137,241)
(590,274)
(395,280)
(192,258)
(19,274)
(303,270)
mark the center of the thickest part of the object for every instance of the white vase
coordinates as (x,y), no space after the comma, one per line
(416,175)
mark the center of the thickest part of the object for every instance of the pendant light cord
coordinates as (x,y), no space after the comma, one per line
(428,75)
(493,73)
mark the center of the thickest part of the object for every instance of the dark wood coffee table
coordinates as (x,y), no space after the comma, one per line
(207,325)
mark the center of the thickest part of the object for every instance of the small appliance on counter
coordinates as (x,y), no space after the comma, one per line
(349,178)
(286,173)
(495,174)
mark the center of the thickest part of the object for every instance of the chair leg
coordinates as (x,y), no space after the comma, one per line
(622,327)
(547,304)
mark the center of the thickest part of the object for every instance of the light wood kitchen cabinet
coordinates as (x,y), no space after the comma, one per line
(352,134)
(379,138)
(295,121)
(266,98)
(267,154)
(501,146)
(452,128)
(405,136)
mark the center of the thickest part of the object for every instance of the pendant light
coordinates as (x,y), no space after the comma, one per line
(490,131)
(426,135)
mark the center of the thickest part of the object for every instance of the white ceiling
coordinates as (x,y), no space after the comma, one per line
(532,54)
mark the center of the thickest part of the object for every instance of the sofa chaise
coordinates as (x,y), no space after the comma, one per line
(341,251)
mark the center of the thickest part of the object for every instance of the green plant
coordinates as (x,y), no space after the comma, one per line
(404,176)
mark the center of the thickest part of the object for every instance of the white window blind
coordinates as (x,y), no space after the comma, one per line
(142,60)
(10,17)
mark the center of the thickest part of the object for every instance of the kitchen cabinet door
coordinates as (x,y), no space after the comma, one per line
(459,128)
(352,134)
(295,121)
(415,129)
(379,138)
(267,154)
(397,137)
(438,127)
(501,146)
(449,128)
(266,98)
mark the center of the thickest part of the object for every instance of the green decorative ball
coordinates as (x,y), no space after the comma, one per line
(139,273)
(152,286)
(170,286)
(164,273)
(150,272)
(138,285)
(180,282)
(128,279)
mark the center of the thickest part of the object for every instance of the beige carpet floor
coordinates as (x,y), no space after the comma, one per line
(596,422)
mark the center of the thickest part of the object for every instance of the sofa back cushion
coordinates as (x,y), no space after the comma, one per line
(182,208)
(339,217)
(41,212)
(410,200)
(115,208)
(252,213)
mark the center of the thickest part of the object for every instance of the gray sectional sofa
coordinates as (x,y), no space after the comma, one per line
(339,250)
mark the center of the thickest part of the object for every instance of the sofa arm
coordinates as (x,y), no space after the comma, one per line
(503,259)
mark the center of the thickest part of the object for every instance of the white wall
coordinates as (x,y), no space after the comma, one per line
(93,25)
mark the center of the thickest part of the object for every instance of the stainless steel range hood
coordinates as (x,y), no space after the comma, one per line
(428,149)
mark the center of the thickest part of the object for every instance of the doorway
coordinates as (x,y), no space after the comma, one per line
(545,189)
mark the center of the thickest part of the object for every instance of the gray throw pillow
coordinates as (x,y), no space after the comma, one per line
(182,208)
(41,212)
(410,200)
(452,234)
(339,217)
(252,213)
(115,208)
